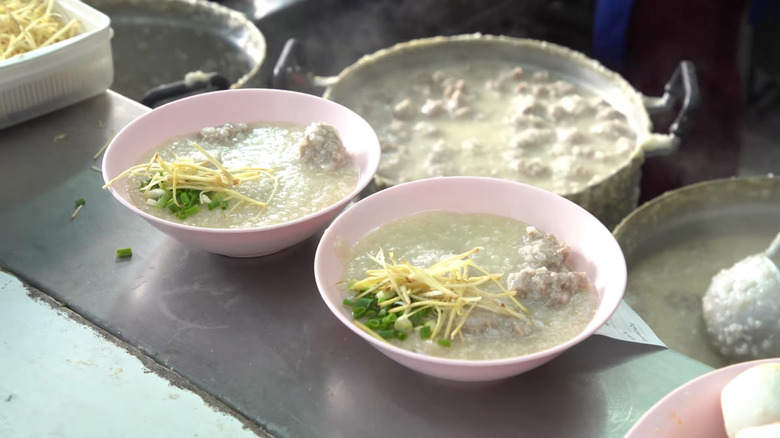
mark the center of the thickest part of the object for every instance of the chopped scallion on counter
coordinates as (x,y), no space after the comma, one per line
(124,252)
(79,205)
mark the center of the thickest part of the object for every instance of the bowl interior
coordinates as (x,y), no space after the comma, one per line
(190,115)
(593,249)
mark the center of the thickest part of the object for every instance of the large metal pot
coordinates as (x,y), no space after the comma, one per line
(610,199)
(676,242)
(169,49)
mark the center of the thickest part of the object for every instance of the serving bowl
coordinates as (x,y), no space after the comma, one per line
(593,250)
(191,114)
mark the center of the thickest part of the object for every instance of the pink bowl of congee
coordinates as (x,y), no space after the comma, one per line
(242,172)
(470,278)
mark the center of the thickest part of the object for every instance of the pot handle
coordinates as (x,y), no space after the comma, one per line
(682,86)
(184,87)
(291,70)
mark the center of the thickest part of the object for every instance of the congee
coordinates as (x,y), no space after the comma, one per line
(466,286)
(242,175)
(496,119)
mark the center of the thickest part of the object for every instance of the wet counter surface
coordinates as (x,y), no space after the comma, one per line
(255,334)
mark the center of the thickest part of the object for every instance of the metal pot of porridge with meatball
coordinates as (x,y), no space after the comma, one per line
(682,245)
(509,108)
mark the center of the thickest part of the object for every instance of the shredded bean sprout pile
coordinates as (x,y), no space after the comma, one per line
(26,25)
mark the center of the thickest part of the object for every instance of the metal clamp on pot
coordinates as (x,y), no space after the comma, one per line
(291,71)
(193,82)
(682,87)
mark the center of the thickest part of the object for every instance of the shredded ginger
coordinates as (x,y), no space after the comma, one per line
(187,174)
(446,287)
(26,25)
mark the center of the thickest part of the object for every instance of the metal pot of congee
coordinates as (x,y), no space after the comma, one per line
(510,108)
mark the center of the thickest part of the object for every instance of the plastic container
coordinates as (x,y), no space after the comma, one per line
(61,74)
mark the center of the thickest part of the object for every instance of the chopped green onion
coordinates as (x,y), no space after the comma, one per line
(80,201)
(162,201)
(358,312)
(401,336)
(124,252)
(370,313)
(390,319)
(191,210)
(387,334)
(425,332)
(382,311)
(213,204)
(403,325)
(348,302)
(373,323)
(384,295)
(444,342)
(364,302)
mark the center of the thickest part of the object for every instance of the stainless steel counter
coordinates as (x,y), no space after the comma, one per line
(255,334)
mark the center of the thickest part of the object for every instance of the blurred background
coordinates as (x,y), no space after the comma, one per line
(730,42)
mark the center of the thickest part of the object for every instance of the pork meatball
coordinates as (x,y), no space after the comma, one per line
(322,147)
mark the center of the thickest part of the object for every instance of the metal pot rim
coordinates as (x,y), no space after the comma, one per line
(641,121)
(255,39)
(554,49)
(683,195)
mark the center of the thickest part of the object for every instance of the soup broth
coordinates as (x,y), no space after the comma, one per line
(506,246)
(493,118)
(299,185)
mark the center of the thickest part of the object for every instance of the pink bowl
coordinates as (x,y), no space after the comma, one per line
(191,114)
(693,410)
(593,250)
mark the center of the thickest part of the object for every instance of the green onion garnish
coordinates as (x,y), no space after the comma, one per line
(124,252)
(80,201)
(444,342)
(425,332)
(363,302)
(387,334)
(358,312)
